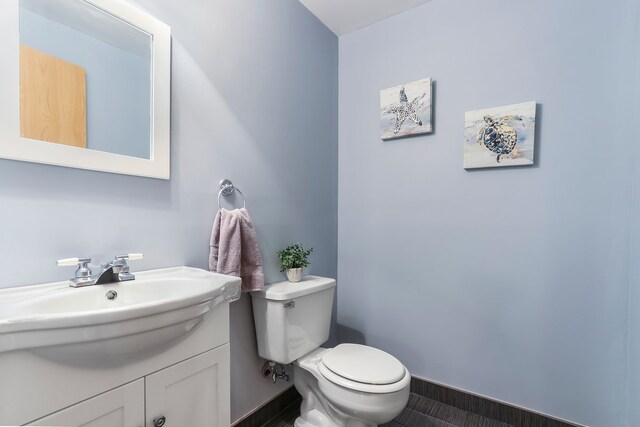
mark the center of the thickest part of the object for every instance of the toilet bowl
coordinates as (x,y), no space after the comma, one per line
(350,385)
(331,399)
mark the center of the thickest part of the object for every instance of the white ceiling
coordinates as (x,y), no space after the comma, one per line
(344,16)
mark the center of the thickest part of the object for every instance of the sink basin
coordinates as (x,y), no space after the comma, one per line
(92,324)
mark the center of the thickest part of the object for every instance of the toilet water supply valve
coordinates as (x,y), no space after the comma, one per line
(274,370)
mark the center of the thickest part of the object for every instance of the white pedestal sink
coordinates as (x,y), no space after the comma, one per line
(82,326)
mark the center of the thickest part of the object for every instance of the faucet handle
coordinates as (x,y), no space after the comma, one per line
(121,268)
(69,262)
(83,273)
(130,257)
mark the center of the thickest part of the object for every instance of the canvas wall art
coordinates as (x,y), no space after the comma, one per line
(502,136)
(405,110)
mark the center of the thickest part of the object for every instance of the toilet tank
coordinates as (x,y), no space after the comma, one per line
(293,319)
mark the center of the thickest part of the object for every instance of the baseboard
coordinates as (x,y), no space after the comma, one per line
(485,406)
(265,413)
(458,398)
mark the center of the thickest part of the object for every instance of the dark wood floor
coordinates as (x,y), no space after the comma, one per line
(420,412)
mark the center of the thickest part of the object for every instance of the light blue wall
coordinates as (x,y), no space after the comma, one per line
(510,283)
(118,84)
(254,96)
(633,402)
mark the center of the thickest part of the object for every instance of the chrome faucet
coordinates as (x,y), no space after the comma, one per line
(111,272)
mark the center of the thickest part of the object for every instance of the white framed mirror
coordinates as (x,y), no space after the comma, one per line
(85,84)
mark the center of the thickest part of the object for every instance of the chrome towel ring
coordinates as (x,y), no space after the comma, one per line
(226,189)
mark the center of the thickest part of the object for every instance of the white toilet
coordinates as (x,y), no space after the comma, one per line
(350,385)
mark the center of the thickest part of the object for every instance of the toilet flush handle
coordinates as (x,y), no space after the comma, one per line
(290,304)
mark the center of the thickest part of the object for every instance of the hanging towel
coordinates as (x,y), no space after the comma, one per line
(234,249)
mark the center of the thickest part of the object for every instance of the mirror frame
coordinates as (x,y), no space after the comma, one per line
(14,147)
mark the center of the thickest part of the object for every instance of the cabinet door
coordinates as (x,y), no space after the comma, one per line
(120,407)
(193,393)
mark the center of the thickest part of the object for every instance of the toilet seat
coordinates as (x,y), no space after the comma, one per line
(362,368)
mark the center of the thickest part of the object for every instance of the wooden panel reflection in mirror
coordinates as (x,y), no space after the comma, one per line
(53,99)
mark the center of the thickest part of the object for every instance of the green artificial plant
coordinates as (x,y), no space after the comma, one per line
(294,256)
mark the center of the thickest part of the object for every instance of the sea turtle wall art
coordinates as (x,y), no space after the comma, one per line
(502,136)
(405,110)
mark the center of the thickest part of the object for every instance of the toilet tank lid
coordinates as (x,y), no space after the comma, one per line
(286,290)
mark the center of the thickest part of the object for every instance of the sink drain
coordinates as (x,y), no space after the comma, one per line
(111,295)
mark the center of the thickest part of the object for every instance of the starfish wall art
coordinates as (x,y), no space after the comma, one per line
(406,110)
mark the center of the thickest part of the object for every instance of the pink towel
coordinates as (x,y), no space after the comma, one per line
(234,248)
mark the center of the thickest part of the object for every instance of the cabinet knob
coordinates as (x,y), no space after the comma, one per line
(159,421)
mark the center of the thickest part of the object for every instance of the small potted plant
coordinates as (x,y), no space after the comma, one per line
(292,259)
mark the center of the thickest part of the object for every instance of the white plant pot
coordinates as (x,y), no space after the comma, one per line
(294,274)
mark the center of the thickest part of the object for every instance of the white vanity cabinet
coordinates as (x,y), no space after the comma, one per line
(192,393)
(121,407)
